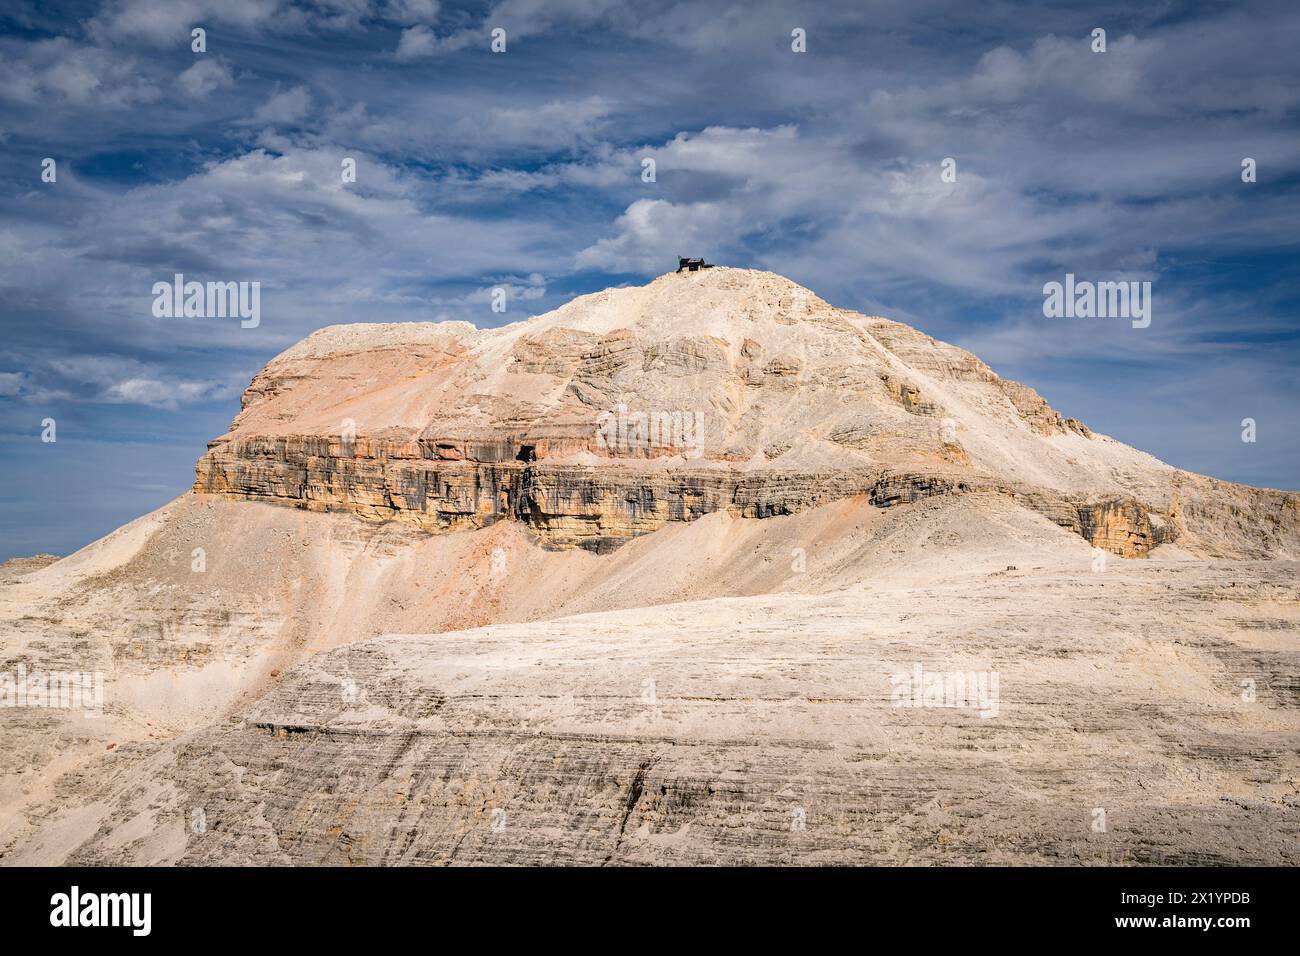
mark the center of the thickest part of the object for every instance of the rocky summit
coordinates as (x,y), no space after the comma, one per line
(701,571)
(720,390)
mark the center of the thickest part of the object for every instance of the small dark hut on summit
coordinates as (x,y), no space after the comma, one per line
(692,265)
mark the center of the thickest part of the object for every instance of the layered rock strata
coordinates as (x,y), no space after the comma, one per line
(442,486)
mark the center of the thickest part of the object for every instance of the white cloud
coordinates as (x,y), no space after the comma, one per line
(206,76)
(528,289)
(651,232)
(527,18)
(113,380)
(163,23)
(558,123)
(11,383)
(160,393)
(412,11)
(484,129)
(417,42)
(284,108)
(52,72)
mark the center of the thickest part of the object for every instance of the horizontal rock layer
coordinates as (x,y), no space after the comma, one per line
(457,484)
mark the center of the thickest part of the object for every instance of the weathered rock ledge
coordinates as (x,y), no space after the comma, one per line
(449,484)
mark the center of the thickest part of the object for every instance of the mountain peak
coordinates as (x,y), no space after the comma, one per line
(719,388)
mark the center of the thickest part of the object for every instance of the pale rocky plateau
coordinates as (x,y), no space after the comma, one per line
(638,582)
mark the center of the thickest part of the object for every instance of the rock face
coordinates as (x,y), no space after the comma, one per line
(723,390)
(665,576)
(600,508)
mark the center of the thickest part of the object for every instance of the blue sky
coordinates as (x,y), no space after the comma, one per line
(523,169)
